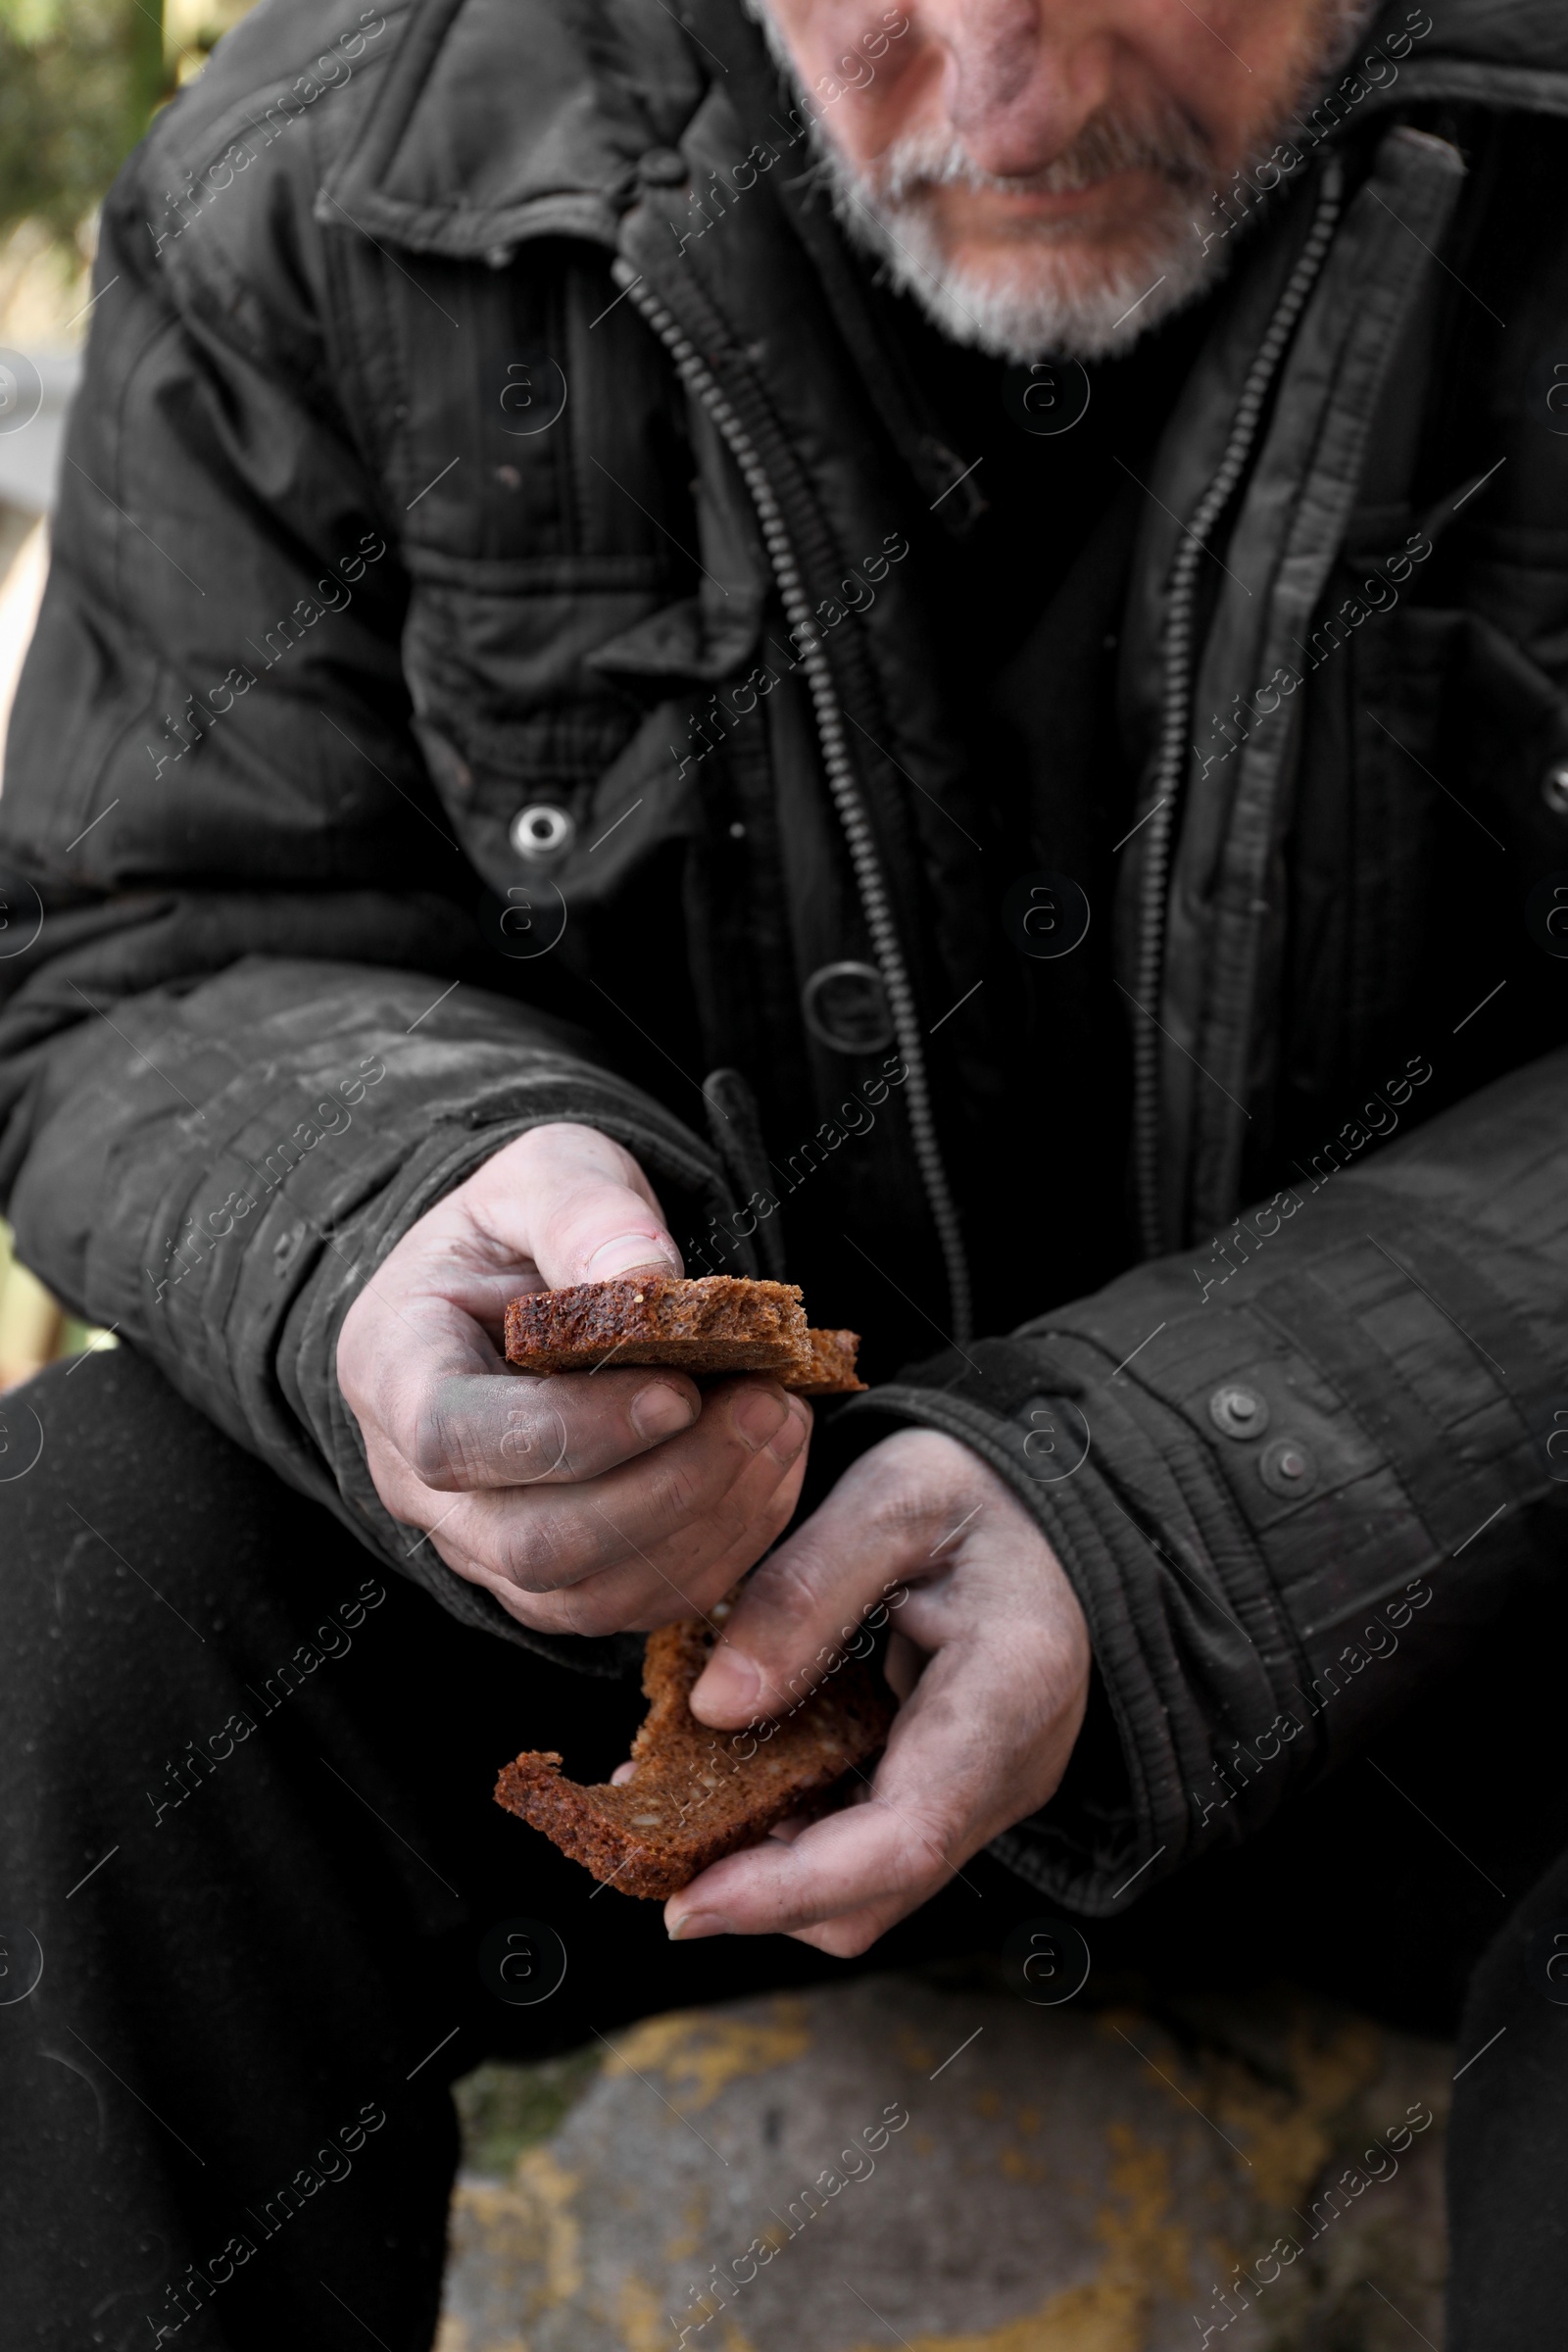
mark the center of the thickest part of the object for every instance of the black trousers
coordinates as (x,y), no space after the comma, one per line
(251,1864)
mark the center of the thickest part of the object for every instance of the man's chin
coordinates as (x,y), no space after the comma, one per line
(1058,291)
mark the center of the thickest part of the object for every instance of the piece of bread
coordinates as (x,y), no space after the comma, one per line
(719,1323)
(833,1372)
(699,1794)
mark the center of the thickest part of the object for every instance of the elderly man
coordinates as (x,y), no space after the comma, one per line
(920,646)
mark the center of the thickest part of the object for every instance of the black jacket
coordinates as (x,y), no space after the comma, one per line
(406,757)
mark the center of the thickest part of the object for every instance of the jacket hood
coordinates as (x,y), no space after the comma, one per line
(494,124)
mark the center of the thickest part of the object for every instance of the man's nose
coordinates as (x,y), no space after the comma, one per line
(1023,76)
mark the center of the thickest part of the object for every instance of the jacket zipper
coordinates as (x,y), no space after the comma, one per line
(875,899)
(1176,703)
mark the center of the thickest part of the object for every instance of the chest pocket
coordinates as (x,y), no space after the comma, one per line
(569,595)
(522,739)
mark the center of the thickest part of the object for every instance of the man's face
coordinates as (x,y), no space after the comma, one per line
(1029,168)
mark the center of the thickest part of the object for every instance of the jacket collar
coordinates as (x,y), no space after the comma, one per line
(495,124)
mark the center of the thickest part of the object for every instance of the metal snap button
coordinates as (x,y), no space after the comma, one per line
(540,831)
(1554,788)
(1287,1469)
(662,168)
(845,1007)
(1239,1412)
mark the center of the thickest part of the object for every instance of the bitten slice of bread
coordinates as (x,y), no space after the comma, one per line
(699,1794)
(719,1323)
(833,1373)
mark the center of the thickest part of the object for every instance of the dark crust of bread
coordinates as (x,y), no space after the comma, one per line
(718,1323)
(833,1374)
(698,1793)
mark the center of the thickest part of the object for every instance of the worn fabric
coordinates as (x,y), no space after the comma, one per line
(482,417)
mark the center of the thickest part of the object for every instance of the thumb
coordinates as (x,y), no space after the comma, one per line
(801,1615)
(579,1206)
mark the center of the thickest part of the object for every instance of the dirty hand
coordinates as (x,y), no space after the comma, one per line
(989,1658)
(590,1503)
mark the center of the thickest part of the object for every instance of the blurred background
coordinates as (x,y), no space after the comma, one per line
(79,83)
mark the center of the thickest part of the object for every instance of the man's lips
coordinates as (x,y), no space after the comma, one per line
(1121,192)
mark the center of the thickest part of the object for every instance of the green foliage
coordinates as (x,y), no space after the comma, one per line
(31,21)
(78,82)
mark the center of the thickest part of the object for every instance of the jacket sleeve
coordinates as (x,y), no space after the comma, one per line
(1288,1481)
(245,1033)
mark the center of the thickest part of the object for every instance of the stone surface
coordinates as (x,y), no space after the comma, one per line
(930,2160)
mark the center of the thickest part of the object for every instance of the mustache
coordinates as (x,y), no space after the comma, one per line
(1115,139)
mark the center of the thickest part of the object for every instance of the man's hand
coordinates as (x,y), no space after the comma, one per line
(587,1503)
(989,1658)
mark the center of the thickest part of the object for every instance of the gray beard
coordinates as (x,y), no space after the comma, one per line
(1049,297)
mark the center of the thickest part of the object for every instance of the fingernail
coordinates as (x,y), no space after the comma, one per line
(628,1252)
(760,1414)
(658,1411)
(730,1684)
(793,1436)
(693,1924)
